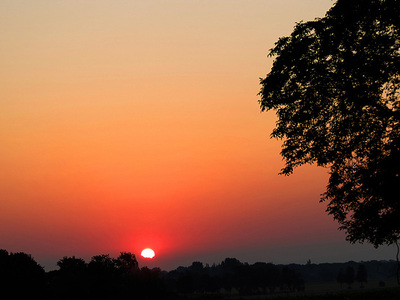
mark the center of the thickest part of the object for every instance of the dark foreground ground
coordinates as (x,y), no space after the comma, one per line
(371,294)
(386,294)
(324,291)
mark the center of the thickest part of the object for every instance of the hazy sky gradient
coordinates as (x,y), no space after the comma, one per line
(134,124)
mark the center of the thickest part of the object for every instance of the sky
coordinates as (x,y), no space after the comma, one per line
(134,124)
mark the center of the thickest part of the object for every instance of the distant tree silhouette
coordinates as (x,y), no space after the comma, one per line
(208,283)
(127,262)
(185,282)
(335,87)
(265,276)
(72,265)
(102,266)
(197,267)
(20,275)
(349,276)
(102,262)
(361,275)
(291,280)
(340,278)
(105,278)
(72,279)
(271,275)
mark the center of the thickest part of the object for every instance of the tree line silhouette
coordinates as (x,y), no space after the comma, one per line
(104,277)
(349,276)
(233,276)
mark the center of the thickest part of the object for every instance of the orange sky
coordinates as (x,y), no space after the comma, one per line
(133,124)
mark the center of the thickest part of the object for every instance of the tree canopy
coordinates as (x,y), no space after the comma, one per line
(335,87)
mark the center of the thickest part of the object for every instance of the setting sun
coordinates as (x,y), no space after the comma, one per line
(148,253)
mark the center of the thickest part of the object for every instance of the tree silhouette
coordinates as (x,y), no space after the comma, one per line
(127,262)
(20,275)
(291,279)
(72,278)
(103,276)
(72,265)
(361,275)
(101,262)
(335,87)
(349,276)
(340,278)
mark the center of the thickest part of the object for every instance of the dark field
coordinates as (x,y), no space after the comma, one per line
(323,291)
(392,293)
